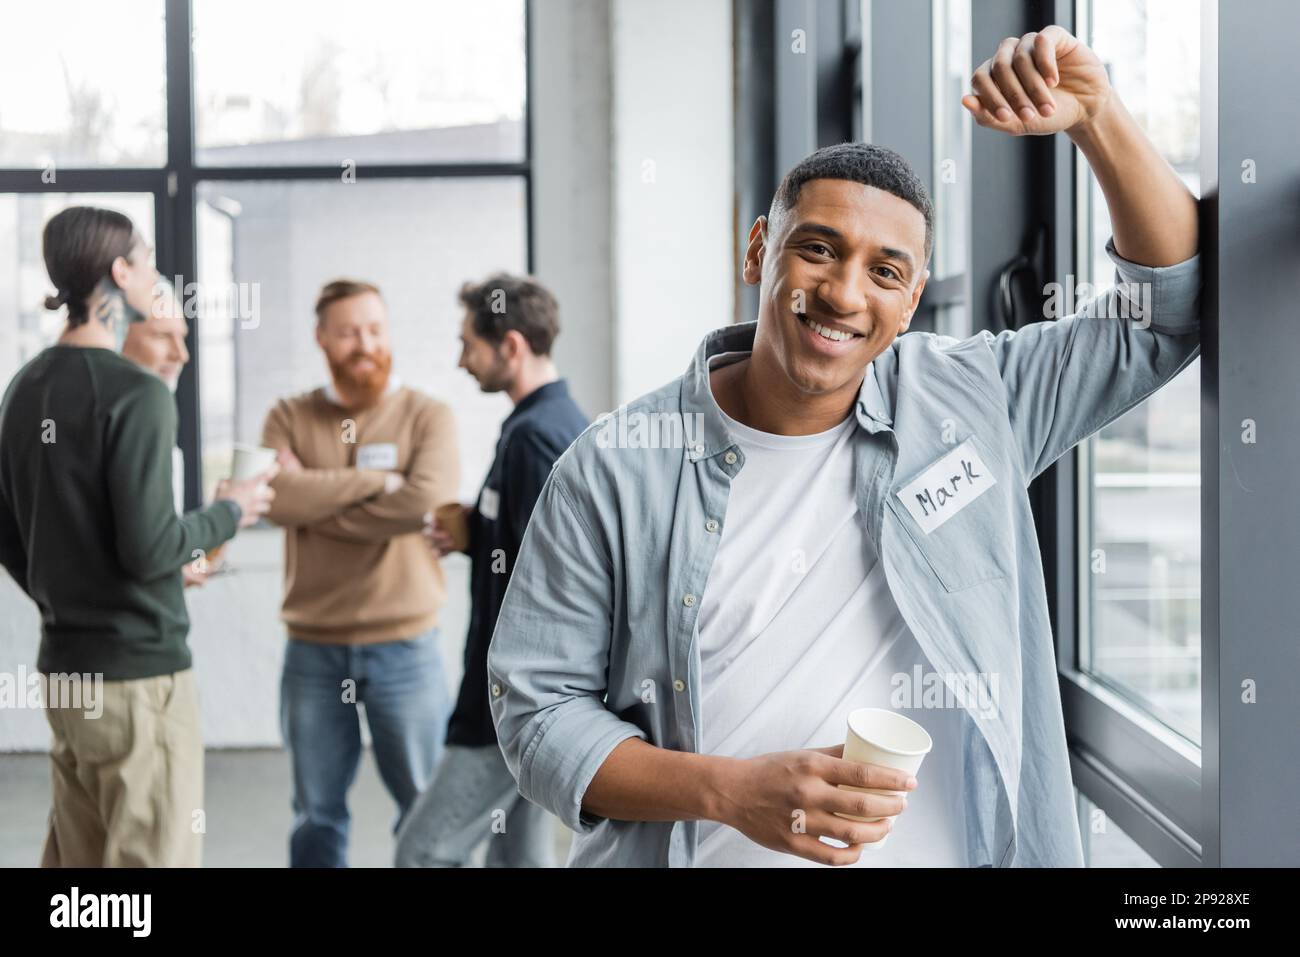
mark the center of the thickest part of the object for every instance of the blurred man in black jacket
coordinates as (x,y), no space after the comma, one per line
(509,326)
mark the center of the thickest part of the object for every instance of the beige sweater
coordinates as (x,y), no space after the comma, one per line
(357,569)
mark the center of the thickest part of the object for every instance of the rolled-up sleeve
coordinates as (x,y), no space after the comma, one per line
(549,656)
(1065,379)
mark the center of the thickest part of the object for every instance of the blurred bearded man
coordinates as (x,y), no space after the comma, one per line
(363,461)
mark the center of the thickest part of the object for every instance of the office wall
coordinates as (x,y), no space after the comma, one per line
(572,244)
(673,185)
(634,186)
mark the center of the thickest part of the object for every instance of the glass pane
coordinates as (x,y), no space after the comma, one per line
(266,248)
(1142,565)
(386,82)
(26,326)
(1104,844)
(83,84)
(952,124)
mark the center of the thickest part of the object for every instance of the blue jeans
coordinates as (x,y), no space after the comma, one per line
(474,797)
(404,690)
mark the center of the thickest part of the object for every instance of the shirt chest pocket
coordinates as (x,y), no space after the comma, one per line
(955,513)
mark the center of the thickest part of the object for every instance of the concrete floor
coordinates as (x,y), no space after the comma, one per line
(247,798)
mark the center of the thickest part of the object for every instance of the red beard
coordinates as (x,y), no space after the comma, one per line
(365,387)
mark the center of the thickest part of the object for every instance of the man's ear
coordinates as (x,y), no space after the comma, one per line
(916,299)
(752,270)
(513,345)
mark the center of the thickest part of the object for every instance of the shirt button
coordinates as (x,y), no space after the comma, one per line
(699,450)
(688,601)
(710,526)
(679,685)
(730,458)
(496,691)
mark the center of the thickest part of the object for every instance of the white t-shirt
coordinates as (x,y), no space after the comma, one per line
(178,480)
(797,627)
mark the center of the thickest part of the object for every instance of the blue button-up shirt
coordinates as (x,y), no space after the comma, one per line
(597,639)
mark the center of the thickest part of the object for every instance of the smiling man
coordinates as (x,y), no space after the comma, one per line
(687,629)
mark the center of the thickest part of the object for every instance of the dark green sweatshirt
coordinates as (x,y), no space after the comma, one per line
(88,526)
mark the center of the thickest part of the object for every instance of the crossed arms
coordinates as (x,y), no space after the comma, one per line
(352,504)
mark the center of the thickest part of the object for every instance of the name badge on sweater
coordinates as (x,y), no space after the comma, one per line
(946,487)
(381,456)
(489,503)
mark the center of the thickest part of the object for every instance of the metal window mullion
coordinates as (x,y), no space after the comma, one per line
(176,253)
(83,180)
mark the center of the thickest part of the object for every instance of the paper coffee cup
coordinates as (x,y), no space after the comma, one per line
(250,461)
(884,737)
(451,518)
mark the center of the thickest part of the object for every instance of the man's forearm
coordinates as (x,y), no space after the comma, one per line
(1152,212)
(379,519)
(307,496)
(642,782)
(211,526)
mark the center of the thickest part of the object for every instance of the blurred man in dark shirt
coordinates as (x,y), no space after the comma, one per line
(509,327)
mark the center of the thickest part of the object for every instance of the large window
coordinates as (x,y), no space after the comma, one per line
(1139,587)
(264,149)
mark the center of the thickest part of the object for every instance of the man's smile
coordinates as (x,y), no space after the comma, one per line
(828,338)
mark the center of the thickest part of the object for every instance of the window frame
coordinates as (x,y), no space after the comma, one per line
(1145,776)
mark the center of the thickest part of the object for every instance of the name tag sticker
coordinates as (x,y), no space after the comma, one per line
(489,503)
(381,456)
(946,487)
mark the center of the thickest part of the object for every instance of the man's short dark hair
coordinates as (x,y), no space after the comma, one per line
(502,303)
(864,163)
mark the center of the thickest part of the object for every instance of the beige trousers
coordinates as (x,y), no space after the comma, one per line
(128,784)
